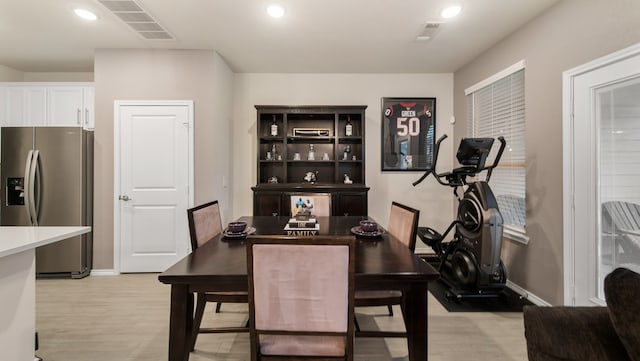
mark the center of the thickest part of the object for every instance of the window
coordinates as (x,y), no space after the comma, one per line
(495,107)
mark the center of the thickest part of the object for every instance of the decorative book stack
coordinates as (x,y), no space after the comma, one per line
(302,227)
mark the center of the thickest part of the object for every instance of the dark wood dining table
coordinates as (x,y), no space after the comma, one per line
(382,263)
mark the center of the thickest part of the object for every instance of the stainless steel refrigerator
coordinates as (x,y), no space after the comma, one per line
(47,180)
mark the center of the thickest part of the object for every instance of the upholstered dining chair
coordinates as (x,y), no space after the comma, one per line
(204,224)
(301,297)
(319,203)
(403,225)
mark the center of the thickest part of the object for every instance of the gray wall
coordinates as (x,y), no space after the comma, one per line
(9,74)
(567,35)
(198,75)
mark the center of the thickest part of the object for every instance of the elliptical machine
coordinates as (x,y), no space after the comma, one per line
(470,263)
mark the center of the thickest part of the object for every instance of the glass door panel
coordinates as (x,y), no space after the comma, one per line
(618,117)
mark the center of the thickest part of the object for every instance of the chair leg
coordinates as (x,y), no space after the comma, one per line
(218,304)
(197,320)
(390,307)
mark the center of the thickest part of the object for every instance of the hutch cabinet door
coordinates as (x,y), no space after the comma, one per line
(352,204)
(267,204)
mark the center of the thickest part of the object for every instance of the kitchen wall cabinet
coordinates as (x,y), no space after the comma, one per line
(23,106)
(47,104)
(327,141)
(70,106)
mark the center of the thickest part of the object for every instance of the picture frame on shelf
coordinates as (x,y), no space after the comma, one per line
(408,133)
(311,205)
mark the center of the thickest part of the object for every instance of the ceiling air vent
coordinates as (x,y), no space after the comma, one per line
(138,19)
(429,31)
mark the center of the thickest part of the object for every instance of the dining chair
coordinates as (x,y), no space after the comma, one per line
(204,224)
(403,225)
(319,204)
(301,297)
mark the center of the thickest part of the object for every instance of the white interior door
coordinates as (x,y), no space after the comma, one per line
(602,165)
(155,177)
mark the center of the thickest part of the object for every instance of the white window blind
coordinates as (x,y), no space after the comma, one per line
(496,108)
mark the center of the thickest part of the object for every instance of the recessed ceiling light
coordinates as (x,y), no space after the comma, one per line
(276,11)
(85,14)
(451,11)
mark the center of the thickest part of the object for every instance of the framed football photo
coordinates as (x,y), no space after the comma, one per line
(408,133)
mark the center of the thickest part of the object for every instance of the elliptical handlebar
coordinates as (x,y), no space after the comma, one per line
(490,168)
(436,150)
(432,169)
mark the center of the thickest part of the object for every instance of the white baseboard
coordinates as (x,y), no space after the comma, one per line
(104,272)
(527,295)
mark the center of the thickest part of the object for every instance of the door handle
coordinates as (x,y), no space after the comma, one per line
(36,187)
(124,198)
(27,185)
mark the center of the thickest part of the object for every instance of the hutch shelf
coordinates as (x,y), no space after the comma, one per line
(310,149)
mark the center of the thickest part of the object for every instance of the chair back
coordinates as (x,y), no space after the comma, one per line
(301,293)
(403,224)
(319,204)
(204,223)
(623,215)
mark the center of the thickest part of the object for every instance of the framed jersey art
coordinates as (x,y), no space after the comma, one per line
(408,133)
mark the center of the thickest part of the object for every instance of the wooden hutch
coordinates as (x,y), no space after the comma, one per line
(327,141)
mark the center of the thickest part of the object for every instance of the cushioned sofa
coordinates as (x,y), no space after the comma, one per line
(589,333)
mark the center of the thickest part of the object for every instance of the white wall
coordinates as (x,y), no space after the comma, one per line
(433,200)
(8,74)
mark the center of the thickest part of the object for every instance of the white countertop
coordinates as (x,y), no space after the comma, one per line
(17,239)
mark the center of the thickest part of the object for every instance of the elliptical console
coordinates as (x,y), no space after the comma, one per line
(470,263)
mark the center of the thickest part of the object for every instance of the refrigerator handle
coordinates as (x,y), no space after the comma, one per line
(36,175)
(27,186)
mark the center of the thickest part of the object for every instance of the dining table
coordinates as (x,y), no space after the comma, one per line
(382,263)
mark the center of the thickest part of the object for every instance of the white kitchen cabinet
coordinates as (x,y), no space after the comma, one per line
(23,106)
(65,106)
(70,105)
(47,104)
(35,106)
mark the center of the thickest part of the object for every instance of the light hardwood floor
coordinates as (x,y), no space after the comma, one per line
(126,317)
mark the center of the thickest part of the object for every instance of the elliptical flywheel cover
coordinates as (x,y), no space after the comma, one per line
(464,269)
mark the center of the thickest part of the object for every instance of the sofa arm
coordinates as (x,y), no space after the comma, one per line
(571,333)
(622,291)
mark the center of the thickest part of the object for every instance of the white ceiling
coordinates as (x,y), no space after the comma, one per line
(314,36)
